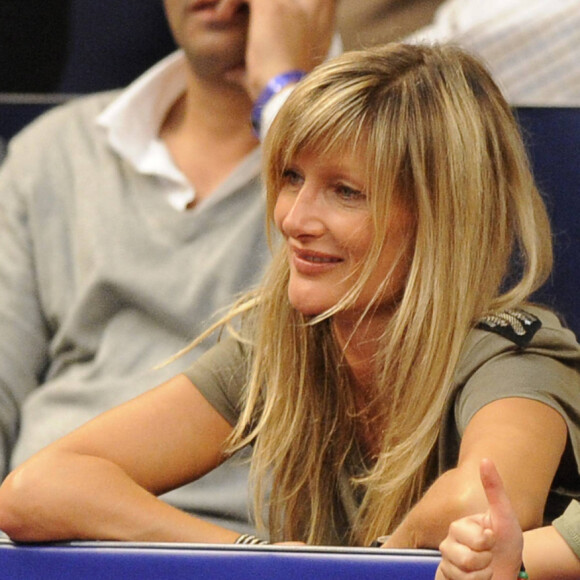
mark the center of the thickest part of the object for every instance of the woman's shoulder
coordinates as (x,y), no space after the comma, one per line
(529,329)
(526,325)
(524,353)
(220,374)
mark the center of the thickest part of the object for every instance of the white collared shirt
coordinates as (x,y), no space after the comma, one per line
(133,122)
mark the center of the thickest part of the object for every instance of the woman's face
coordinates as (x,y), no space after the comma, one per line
(323,213)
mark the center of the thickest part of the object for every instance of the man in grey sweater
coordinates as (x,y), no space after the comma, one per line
(127,219)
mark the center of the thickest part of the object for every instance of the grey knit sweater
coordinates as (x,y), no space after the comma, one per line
(100,279)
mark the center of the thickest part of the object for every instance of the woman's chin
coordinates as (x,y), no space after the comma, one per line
(307,308)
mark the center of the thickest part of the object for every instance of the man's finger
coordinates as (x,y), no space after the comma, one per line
(227,8)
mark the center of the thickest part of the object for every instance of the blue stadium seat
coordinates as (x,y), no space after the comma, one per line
(88,47)
(105,560)
(552,136)
(111,43)
(75,46)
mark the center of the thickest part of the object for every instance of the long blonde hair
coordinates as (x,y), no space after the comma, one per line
(435,130)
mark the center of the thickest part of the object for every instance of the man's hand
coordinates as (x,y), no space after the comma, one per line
(283,35)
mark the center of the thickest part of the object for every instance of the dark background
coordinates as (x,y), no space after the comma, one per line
(79,46)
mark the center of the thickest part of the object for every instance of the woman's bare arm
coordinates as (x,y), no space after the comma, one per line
(101,481)
(547,555)
(524,438)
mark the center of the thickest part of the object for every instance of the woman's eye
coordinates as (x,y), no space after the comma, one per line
(349,193)
(291,177)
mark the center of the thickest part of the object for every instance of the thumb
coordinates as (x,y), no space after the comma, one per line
(500,507)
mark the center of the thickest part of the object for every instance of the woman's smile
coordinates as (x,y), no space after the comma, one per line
(312,262)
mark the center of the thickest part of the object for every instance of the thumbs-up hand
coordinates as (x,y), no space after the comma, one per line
(487,545)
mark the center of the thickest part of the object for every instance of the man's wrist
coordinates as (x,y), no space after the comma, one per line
(272,88)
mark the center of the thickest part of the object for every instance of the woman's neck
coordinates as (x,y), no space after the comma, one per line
(359,340)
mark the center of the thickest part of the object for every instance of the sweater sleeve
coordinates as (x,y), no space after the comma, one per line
(23,331)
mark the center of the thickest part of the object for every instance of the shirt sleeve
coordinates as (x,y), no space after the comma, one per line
(220,375)
(547,371)
(568,525)
(521,374)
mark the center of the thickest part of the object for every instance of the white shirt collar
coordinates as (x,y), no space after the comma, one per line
(133,120)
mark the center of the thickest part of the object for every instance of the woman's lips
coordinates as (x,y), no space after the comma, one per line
(313,262)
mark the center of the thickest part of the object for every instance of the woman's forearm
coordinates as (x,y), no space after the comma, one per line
(67,496)
(524,438)
(451,497)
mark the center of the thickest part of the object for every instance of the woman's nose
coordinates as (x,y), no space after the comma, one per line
(303,214)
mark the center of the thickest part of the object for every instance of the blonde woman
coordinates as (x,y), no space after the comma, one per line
(390,347)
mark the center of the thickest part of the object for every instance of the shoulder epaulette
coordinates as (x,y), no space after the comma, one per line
(513,324)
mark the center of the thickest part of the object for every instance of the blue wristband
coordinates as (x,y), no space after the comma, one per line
(273,87)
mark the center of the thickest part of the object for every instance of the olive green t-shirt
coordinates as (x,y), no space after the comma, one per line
(543,365)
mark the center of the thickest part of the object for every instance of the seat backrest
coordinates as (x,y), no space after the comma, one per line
(19,109)
(110,43)
(552,136)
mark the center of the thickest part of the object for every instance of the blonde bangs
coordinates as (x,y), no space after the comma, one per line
(324,123)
